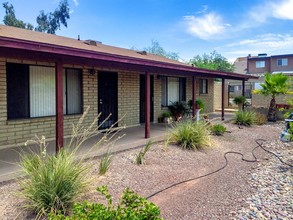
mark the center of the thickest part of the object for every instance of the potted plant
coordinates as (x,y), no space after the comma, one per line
(239,100)
(178,110)
(198,103)
(164,117)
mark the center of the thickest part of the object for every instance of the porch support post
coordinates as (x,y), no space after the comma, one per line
(223,99)
(59,106)
(193,96)
(243,91)
(147,104)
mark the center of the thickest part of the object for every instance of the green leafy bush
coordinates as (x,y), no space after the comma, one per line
(189,134)
(105,163)
(238,100)
(131,207)
(166,114)
(140,156)
(246,118)
(218,129)
(178,109)
(199,103)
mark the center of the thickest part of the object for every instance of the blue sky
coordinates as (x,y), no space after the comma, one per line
(231,27)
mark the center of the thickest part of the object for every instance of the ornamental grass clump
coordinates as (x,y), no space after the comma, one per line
(190,135)
(54,181)
(105,163)
(139,159)
(218,129)
(246,118)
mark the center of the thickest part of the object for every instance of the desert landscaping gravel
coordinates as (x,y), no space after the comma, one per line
(260,190)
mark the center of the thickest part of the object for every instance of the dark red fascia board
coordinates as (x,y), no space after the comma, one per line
(62,50)
(282,56)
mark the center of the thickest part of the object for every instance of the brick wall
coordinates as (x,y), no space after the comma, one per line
(275,67)
(158,110)
(218,95)
(264,101)
(18,131)
(252,65)
(128,98)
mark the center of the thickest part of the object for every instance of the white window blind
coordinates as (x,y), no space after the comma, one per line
(73,89)
(42,91)
(173,90)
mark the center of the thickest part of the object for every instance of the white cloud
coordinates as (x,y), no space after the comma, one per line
(204,10)
(283,10)
(75,2)
(205,27)
(280,10)
(273,44)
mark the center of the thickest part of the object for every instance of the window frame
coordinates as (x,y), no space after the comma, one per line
(201,86)
(27,99)
(260,62)
(282,62)
(181,90)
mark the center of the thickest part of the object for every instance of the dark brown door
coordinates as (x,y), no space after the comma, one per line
(142,99)
(107,98)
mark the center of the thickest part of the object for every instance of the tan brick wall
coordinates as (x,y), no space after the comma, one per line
(157,99)
(206,98)
(264,101)
(128,98)
(218,95)
(18,131)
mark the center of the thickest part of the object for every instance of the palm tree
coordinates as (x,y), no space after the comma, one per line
(274,85)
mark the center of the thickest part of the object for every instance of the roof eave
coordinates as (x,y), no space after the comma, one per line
(63,50)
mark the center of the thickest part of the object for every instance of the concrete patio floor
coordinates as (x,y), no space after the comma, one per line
(133,137)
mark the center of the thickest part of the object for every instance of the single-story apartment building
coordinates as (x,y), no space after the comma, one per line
(46,82)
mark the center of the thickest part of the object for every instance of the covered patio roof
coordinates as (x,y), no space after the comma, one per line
(50,47)
(25,44)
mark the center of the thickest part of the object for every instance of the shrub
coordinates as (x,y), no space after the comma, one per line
(105,163)
(131,206)
(199,103)
(218,129)
(238,100)
(190,135)
(166,114)
(54,181)
(140,156)
(178,109)
(261,119)
(246,118)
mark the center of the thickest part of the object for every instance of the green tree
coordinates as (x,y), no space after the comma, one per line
(212,61)
(157,49)
(47,22)
(11,20)
(274,85)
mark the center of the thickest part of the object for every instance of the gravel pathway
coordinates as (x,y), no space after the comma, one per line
(273,182)
(261,190)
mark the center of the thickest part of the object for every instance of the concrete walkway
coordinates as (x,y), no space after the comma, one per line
(133,137)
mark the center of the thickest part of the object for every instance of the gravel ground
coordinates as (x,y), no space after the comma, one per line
(261,190)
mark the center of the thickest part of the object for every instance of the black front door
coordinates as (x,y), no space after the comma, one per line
(142,99)
(107,98)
